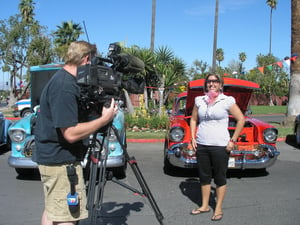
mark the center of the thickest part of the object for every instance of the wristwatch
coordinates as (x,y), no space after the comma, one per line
(231,140)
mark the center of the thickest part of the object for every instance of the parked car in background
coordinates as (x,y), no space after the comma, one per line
(255,147)
(22,108)
(22,131)
(4,137)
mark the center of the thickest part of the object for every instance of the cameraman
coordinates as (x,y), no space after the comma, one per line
(61,140)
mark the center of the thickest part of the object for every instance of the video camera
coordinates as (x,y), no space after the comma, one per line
(99,82)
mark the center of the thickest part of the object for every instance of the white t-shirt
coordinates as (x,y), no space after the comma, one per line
(213,120)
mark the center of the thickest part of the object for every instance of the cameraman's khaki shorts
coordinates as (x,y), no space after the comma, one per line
(56,188)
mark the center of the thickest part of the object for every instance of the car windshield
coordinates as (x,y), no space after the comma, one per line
(180,106)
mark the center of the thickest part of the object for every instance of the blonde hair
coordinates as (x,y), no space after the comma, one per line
(220,79)
(77,51)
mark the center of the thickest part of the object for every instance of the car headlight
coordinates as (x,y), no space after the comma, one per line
(17,135)
(176,134)
(112,136)
(270,135)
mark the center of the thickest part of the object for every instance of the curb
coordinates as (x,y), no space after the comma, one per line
(12,118)
(145,140)
(162,140)
(280,139)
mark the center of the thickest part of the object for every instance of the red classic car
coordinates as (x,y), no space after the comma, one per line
(255,147)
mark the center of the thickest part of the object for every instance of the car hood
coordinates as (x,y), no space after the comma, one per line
(23,123)
(241,90)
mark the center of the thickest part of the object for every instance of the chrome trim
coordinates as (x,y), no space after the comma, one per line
(263,162)
(27,163)
(21,162)
(111,162)
(180,161)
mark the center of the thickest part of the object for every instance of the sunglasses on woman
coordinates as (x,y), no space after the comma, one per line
(213,81)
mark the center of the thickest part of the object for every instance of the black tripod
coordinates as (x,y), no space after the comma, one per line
(99,176)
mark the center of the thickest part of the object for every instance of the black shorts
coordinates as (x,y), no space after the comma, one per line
(212,163)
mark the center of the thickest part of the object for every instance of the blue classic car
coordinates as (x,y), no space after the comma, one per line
(22,132)
(4,138)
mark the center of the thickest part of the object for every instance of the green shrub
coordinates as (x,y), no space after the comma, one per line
(150,122)
(158,122)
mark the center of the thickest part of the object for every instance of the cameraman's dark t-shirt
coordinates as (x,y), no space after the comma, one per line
(58,109)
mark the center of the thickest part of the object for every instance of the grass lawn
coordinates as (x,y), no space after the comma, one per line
(145,135)
(264,109)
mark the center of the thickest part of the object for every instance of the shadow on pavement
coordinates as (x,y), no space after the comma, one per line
(3,150)
(29,174)
(191,188)
(113,213)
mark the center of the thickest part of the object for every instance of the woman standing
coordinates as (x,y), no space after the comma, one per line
(212,141)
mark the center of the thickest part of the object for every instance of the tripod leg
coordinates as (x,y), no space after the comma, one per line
(91,192)
(101,184)
(133,164)
(140,178)
(97,178)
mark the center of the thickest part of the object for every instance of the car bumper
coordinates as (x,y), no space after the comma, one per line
(21,162)
(111,162)
(27,163)
(250,160)
(239,159)
(176,158)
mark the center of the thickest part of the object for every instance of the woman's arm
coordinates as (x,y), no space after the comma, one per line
(238,115)
(193,124)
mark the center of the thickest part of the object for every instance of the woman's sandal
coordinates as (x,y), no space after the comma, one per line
(217,217)
(198,211)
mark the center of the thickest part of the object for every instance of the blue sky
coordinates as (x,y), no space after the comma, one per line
(185,26)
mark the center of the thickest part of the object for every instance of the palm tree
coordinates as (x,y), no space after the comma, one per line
(65,34)
(219,55)
(153,25)
(26,8)
(162,70)
(170,70)
(242,58)
(215,37)
(272,4)
(294,98)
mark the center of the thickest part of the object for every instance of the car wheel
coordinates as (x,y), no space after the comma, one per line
(119,172)
(8,144)
(168,167)
(25,112)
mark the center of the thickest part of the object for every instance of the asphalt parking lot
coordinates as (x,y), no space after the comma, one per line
(252,198)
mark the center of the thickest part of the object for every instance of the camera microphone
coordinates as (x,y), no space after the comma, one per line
(129,63)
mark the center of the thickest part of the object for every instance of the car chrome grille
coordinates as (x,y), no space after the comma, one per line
(29,148)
